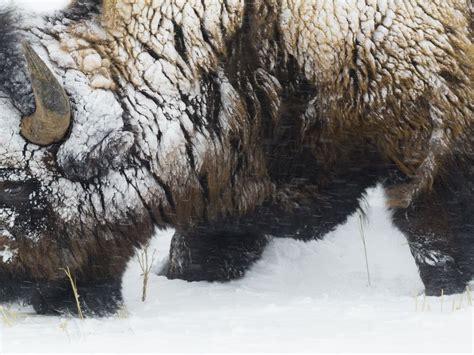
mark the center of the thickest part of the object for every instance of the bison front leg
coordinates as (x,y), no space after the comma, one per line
(440,232)
(213,255)
(98,298)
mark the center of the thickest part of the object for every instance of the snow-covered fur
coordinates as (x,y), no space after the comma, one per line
(222,119)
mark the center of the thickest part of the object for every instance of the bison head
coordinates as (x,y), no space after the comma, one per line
(114,121)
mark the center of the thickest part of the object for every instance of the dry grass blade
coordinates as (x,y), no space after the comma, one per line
(362,234)
(442,298)
(424,303)
(74,290)
(469,299)
(146,264)
(460,302)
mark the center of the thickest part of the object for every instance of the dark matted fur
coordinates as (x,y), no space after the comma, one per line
(321,171)
(13,76)
(83,9)
(439,228)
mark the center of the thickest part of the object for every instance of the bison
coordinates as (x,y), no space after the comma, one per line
(230,121)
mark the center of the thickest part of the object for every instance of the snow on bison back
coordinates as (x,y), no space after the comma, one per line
(229,121)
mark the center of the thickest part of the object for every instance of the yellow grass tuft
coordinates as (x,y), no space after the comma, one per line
(9,317)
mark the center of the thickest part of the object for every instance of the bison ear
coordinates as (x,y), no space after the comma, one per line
(111,153)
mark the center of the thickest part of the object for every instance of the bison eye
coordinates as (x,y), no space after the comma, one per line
(15,193)
(14,190)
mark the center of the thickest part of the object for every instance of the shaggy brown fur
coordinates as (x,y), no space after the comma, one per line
(414,113)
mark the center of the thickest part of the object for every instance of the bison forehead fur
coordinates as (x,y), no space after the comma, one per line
(197,114)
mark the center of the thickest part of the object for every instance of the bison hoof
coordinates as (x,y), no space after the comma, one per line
(94,300)
(446,278)
(436,285)
(445,289)
(213,257)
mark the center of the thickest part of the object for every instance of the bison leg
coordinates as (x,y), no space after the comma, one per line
(96,299)
(12,290)
(440,231)
(213,256)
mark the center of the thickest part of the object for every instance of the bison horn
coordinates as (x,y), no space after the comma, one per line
(51,120)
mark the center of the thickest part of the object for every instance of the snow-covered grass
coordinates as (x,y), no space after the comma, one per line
(301,297)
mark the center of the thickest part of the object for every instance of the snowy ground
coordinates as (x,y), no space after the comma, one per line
(301,297)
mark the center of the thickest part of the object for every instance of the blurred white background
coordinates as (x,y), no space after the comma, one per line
(36,5)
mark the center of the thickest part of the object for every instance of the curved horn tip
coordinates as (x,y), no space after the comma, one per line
(51,120)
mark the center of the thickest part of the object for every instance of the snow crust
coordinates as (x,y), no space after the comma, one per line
(301,297)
